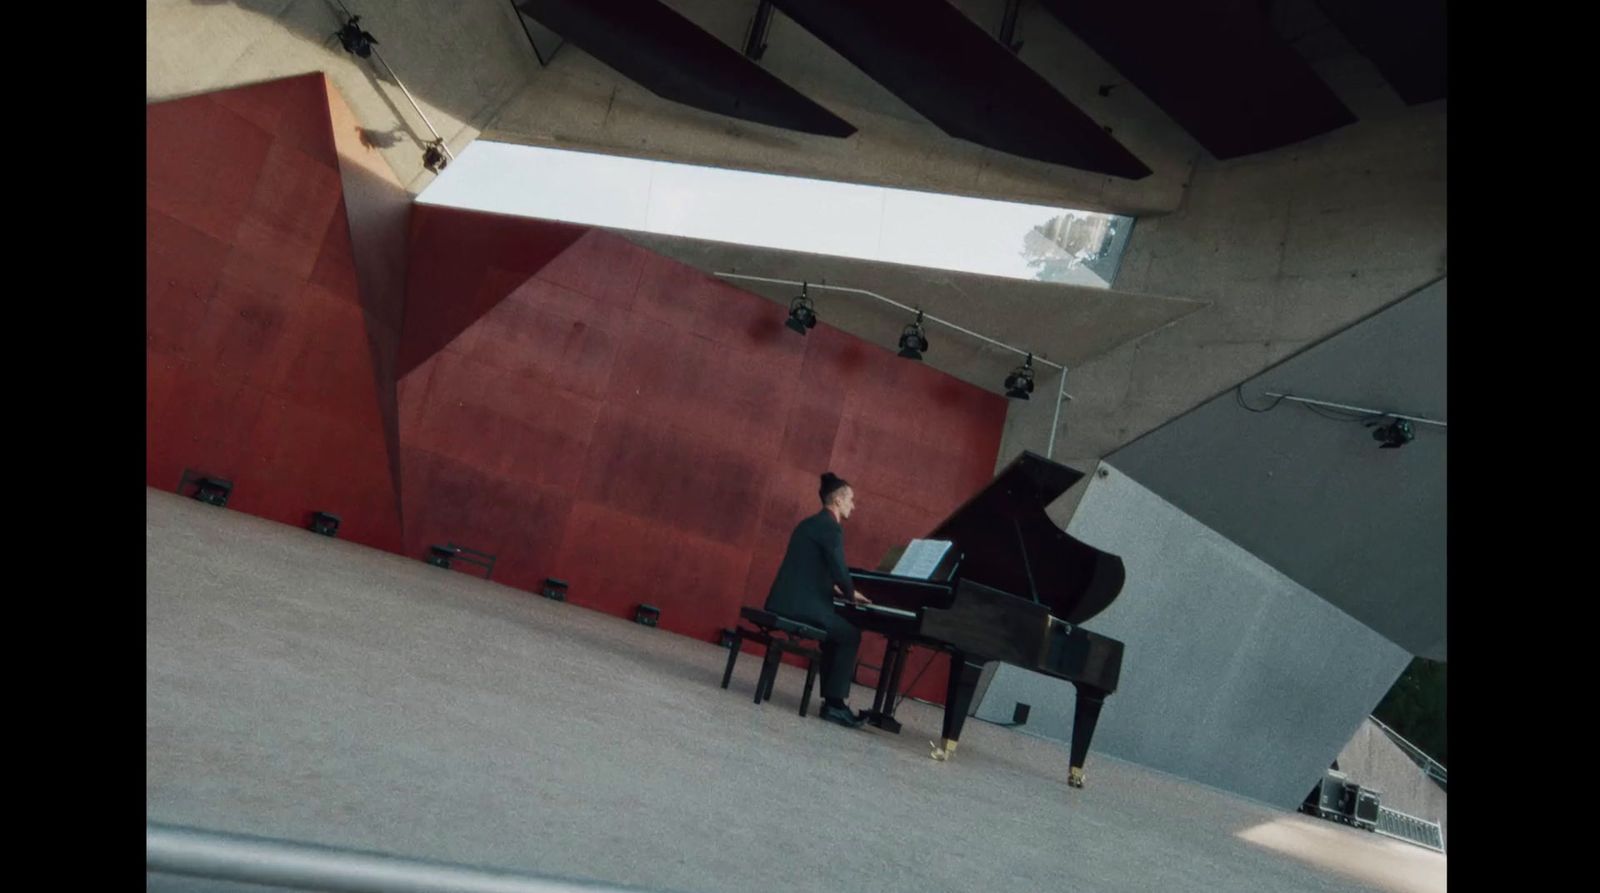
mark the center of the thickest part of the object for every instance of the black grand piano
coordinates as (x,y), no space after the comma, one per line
(1014,588)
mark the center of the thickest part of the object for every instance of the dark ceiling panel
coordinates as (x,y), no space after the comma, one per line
(1216,67)
(672,57)
(1404,38)
(958,76)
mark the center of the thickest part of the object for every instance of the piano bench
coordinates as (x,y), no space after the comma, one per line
(779,635)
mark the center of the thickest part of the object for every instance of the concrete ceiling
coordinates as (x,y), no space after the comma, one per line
(1065,324)
(1314,496)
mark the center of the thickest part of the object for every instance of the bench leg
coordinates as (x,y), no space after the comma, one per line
(769,671)
(772,675)
(811,678)
(733,655)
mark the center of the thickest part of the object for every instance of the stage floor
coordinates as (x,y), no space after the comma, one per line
(320,691)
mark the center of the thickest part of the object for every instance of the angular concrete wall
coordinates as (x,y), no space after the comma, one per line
(1373,760)
(1234,676)
(1285,248)
(1307,490)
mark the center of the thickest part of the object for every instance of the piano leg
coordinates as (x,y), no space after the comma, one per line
(957,699)
(882,714)
(1085,714)
(889,649)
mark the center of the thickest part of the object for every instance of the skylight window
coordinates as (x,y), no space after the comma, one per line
(875,223)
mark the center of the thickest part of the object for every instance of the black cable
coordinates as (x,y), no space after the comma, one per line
(1238,397)
(1342,415)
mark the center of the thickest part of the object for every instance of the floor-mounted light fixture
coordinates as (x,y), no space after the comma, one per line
(325,523)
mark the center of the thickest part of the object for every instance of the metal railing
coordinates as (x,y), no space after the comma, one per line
(1409,828)
(393,76)
(214,855)
(1061,384)
(1431,767)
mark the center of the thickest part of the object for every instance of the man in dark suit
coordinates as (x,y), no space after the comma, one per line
(812,573)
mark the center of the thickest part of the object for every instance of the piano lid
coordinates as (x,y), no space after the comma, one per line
(1009,542)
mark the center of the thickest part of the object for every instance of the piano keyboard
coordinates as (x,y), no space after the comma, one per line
(874,609)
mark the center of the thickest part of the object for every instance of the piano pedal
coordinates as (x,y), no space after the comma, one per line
(1075,777)
(942,753)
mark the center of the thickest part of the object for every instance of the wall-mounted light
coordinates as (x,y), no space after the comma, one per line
(1392,430)
(1394,435)
(355,40)
(1019,384)
(802,313)
(913,341)
(435,156)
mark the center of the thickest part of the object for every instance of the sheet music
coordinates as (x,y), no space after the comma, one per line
(921,559)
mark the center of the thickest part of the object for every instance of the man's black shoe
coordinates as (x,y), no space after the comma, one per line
(840,715)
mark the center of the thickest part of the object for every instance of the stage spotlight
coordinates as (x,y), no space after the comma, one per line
(433,158)
(355,40)
(647,615)
(802,313)
(325,523)
(555,590)
(214,491)
(1394,435)
(913,341)
(1019,384)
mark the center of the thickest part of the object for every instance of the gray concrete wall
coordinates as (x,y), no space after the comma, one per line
(1314,496)
(1286,248)
(1373,760)
(1234,676)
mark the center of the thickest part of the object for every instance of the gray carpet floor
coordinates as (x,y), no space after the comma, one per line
(316,690)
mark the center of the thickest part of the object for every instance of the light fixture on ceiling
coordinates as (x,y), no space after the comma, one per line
(435,156)
(1028,366)
(1019,384)
(802,313)
(355,40)
(359,42)
(913,341)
